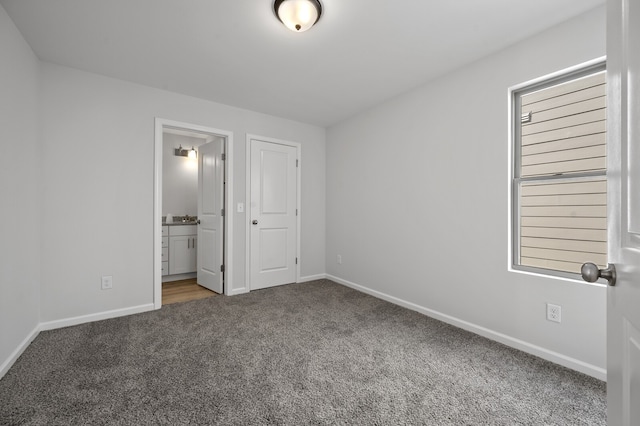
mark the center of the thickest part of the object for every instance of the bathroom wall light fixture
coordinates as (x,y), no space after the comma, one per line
(181,152)
(298,15)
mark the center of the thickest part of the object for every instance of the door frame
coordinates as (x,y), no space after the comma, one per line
(160,124)
(298,148)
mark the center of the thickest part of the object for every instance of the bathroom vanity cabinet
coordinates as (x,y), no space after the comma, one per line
(182,249)
(165,250)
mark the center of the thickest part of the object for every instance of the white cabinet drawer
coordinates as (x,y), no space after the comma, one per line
(179,230)
(165,268)
(165,231)
(165,242)
(165,254)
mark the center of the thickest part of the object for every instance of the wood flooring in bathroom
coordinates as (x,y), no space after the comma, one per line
(184,291)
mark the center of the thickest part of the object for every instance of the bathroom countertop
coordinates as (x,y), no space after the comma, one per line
(178,223)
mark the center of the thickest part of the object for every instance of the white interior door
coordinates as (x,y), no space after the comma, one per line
(210,215)
(273,238)
(623,299)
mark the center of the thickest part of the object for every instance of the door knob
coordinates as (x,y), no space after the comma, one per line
(198,222)
(255,222)
(590,273)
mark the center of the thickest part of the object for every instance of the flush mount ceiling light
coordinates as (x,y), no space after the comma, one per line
(298,15)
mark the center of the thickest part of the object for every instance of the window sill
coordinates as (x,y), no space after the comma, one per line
(555,277)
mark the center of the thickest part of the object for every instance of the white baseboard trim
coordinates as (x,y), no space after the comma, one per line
(178,277)
(67,322)
(572,363)
(6,365)
(237,291)
(312,278)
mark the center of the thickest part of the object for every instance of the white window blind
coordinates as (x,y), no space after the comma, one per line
(561,175)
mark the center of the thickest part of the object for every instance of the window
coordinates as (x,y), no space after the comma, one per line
(559,173)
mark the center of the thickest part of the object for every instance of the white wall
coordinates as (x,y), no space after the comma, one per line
(179,176)
(19,192)
(98,201)
(417,203)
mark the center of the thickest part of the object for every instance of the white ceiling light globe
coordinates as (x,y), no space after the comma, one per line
(298,15)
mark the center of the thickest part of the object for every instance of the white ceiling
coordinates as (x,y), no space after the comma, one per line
(236,52)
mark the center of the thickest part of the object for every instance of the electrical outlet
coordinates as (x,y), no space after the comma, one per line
(554,312)
(339,259)
(107,282)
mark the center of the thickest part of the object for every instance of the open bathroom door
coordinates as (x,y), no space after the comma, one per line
(211,215)
(623,181)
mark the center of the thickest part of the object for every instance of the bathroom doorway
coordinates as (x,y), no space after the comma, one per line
(193,192)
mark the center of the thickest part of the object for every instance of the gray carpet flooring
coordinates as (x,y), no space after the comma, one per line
(314,353)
